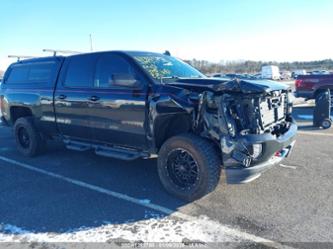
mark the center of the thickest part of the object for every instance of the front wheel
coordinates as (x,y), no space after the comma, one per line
(29,142)
(189,166)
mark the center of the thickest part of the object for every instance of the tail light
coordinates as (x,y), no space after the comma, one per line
(298,83)
(305,84)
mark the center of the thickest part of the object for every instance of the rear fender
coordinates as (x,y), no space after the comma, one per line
(13,102)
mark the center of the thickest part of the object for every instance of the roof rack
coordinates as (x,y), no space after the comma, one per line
(55,51)
(19,57)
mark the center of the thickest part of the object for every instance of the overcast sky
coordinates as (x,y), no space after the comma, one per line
(285,30)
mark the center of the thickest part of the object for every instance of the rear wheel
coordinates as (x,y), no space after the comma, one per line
(189,166)
(29,141)
(326,123)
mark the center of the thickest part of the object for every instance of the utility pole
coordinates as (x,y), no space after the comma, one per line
(91,43)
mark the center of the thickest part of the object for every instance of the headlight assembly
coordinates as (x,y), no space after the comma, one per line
(256,151)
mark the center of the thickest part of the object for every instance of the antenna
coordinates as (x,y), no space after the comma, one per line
(19,57)
(91,42)
(55,51)
(167,52)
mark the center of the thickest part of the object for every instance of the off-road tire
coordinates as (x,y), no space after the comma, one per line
(208,160)
(36,144)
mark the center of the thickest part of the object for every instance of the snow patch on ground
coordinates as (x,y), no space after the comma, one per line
(155,229)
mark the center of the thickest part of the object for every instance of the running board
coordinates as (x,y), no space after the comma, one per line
(118,153)
(73,145)
(108,151)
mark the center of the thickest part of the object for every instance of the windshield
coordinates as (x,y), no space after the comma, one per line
(162,67)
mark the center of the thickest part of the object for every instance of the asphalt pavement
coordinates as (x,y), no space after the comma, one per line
(72,196)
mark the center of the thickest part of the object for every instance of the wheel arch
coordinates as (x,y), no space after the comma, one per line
(322,89)
(171,125)
(17,112)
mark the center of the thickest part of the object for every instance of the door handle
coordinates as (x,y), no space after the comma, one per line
(94,98)
(62,96)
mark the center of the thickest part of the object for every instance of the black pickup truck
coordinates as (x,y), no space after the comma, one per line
(131,105)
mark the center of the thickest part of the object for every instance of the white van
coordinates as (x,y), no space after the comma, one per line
(270,72)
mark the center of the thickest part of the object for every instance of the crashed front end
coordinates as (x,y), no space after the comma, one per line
(252,125)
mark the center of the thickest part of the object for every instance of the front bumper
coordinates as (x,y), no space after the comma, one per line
(283,144)
(3,121)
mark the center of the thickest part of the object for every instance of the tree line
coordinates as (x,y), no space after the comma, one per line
(249,66)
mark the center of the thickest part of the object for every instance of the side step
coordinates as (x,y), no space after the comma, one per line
(78,146)
(118,153)
(108,151)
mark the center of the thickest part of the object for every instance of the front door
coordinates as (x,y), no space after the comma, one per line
(118,111)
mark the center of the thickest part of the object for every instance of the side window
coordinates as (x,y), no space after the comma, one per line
(80,71)
(41,72)
(18,74)
(109,67)
(31,73)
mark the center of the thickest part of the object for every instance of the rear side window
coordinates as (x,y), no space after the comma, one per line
(18,74)
(80,71)
(40,72)
(31,72)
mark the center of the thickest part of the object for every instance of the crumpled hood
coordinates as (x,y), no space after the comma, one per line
(227,85)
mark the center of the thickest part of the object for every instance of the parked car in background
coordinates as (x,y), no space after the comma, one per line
(270,72)
(217,75)
(231,75)
(244,76)
(248,77)
(228,76)
(285,75)
(319,72)
(295,73)
(309,86)
(258,76)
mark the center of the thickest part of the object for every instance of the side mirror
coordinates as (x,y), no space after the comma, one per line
(126,80)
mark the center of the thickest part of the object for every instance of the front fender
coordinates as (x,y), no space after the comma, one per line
(162,111)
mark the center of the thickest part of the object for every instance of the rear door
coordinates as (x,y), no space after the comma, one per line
(118,111)
(72,96)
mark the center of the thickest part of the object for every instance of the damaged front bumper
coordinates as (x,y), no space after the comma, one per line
(275,149)
(3,122)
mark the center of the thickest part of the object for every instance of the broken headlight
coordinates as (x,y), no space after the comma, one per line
(291,99)
(255,150)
